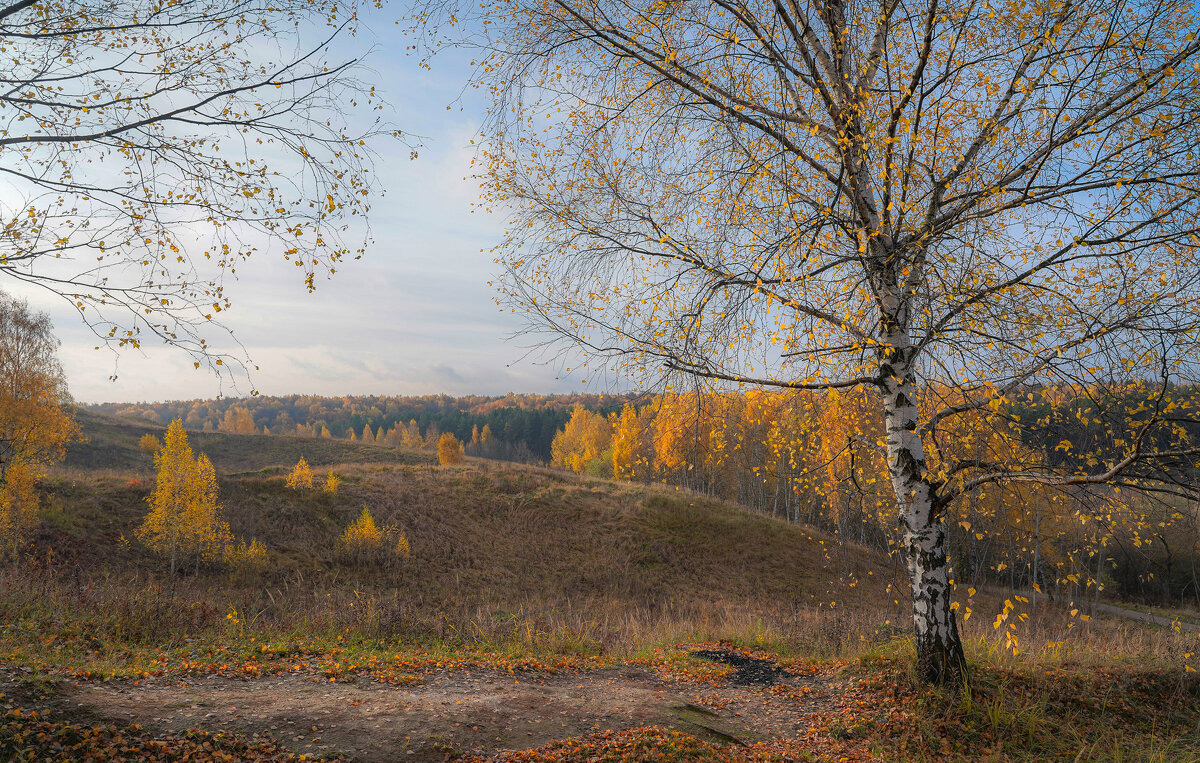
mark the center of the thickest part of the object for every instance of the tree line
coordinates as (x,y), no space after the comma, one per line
(819,458)
(520,427)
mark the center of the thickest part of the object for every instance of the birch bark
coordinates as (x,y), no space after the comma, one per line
(940,658)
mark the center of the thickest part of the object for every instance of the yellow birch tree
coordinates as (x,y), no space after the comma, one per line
(894,198)
(18,507)
(449,449)
(184,524)
(35,425)
(301,476)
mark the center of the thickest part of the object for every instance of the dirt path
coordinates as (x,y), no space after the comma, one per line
(1145,617)
(481,712)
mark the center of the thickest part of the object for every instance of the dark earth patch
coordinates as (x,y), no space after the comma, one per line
(748,671)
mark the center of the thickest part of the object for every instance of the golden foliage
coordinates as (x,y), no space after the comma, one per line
(248,559)
(184,524)
(450,450)
(366,541)
(582,441)
(332,482)
(410,436)
(238,420)
(301,476)
(35,426)
(149,444)
(364,534)
(18,507)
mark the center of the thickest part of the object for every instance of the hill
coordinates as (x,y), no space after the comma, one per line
(112,444)
(495,546)
(540,616)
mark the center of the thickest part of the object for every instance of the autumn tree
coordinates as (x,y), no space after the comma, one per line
(19,504)
(449,450)
(149,444)
(583,440)
(149,148)
(301,476)
(35,424)
(184,524)
(949,206)
(632,447)
(410,436)
(332,481)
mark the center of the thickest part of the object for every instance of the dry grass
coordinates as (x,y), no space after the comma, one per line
(520,565)
(510,557)
(112,450)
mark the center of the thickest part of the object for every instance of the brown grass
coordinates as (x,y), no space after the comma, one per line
(514,557)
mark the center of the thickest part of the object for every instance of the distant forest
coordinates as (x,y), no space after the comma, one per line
(521,427)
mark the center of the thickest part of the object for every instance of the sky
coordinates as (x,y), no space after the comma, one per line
(414,316)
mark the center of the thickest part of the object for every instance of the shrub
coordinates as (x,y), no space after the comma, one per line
(367,542)
(249,559)
(450,450)
(301,476)
(364,535)
(149,444)
(332,482)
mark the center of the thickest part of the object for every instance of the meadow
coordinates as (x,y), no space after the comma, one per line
(539,616)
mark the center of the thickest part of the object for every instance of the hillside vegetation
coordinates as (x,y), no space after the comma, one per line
(112,444)
(537,609)
(494,547)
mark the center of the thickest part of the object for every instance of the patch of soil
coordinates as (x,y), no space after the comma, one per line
(480,713)
(748,671)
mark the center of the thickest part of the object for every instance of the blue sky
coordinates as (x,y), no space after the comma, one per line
(416,315)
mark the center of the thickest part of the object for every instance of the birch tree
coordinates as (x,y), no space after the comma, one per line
(948,204)
(147,149)
(35,424)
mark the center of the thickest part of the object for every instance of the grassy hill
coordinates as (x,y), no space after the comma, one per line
(534,606)
(112,444)
(495,547)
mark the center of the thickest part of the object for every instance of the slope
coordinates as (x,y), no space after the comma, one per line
(494,548)
(112,444)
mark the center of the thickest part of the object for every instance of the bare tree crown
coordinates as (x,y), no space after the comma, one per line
(146,149)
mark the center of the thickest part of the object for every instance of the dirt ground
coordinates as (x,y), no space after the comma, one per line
(481,712)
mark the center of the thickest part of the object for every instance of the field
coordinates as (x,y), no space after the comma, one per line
(539,617)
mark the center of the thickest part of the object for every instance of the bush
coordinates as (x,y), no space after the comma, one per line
(332,482)
(149,444)
(301,476)
(248,559)
(450,450)
(367,542)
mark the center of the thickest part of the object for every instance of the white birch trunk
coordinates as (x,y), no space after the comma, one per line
(940,657)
